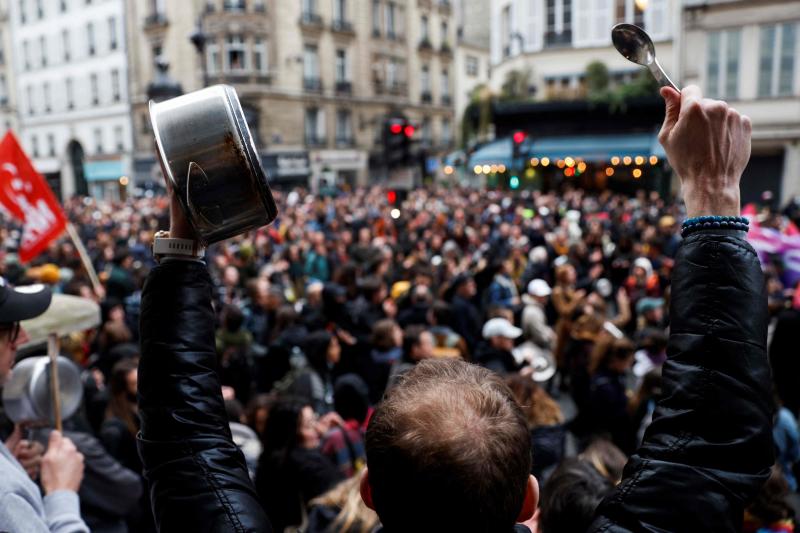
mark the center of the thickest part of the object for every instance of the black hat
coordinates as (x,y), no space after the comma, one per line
(22,303)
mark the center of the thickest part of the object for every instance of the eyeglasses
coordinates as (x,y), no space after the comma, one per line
(10,330)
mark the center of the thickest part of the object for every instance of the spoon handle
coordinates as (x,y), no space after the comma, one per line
(661,76)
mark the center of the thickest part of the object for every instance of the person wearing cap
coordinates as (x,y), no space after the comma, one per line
(496,355)
(22,507)
(650,312)
(534,321)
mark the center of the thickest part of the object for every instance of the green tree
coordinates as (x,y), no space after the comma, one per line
(516,86)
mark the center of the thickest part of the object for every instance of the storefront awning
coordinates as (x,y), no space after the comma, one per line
(494,153)
(597,148)
(590,148)
(103,170)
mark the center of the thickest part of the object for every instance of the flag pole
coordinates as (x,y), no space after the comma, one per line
(87,263)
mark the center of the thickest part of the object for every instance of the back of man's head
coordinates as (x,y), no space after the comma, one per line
(571,496)
(448,450)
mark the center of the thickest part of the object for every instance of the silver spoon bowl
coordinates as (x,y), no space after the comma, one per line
(636,46)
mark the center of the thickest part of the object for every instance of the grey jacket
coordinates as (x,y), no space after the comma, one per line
(22,508)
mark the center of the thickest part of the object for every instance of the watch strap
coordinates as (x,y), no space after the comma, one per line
(179,247)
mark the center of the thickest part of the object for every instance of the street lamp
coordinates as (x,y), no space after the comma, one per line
(199,38)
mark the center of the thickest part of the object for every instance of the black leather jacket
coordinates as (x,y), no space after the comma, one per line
(707,452)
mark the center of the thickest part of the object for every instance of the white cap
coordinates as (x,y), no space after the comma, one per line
(539,287)
(500,327)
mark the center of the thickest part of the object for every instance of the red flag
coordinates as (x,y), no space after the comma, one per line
(26,195)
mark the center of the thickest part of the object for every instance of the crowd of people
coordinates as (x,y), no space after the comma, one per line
(565,296)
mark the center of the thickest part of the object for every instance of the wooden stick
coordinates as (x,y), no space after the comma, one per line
(55,391)
(87,263)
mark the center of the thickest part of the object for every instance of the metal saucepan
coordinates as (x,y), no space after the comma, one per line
(212,162)
(27,397)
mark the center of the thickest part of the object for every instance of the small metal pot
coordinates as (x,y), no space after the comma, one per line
(212,162)
(27,397)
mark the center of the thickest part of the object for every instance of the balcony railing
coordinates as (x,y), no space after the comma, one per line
(445,7)
(345,141)
(426,97)
(312,85)
(155,19)
(342,26)
(311,19)
(446,49)
(395,88)
(315,140)
(344,87)
(425,44)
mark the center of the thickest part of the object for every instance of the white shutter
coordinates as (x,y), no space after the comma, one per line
(657,19)
(582,28)
(604,20)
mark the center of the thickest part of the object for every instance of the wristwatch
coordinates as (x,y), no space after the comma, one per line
(164,245)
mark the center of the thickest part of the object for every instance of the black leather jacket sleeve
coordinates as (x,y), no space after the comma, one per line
(709,448)
(198,477)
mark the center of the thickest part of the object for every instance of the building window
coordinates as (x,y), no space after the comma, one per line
(722,72)
(90,38)
(630,11)
(94,89)
(2,50)
(341,66)
(424,28)
(776,60)
(112,33)
(310,67)
(445,88)
(425,83)
(51,145)
(26,54)
(70,90)
(29,95)
(260,58)
(65,46)
(115,86)
(39,10)
(235,54)
(339,11)
(376,17)
(427,133)
(35,145)
(447,132)
(234,5)
(473,65)
(309,9)
(3,90)
(212,58)
(98,141)
(314,126)
(558,30)
(344,127)
(43,50)
(63,4)
(22,18)
(445,37)
(390,13)
(119,139)
(505,30)
(46,97)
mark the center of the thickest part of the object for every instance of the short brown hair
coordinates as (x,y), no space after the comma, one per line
(448,450)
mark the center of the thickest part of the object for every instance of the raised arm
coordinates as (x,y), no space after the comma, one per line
(709,448)
(198,477)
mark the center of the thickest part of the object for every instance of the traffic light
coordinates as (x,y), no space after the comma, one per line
(398,140)
(391,197)
(518,138)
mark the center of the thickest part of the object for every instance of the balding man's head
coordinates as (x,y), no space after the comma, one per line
(449,450)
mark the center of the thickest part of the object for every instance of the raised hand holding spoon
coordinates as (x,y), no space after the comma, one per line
(635,45)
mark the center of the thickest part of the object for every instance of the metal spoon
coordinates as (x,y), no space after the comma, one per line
(635,45)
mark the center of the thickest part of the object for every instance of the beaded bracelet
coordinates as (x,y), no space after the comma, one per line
(690,225)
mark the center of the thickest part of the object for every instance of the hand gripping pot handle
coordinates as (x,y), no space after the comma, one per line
(212,163)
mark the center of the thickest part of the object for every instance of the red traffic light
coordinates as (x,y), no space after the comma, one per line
(391,197)
(409,130)
(396,129)
(518,137)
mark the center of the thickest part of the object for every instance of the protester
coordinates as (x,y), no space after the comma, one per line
(22,507)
